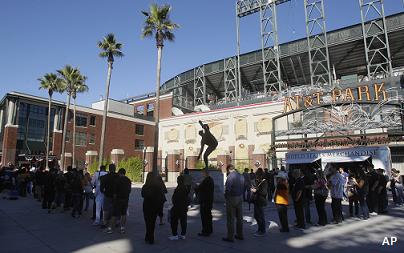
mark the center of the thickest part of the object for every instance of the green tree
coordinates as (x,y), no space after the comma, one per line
(78,87)
(52,83)
(133,167)
(69,76)
(110,48)
(159,25)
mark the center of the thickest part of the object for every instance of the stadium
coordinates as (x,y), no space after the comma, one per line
(242,97)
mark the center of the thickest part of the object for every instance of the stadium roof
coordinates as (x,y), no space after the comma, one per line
(346,50)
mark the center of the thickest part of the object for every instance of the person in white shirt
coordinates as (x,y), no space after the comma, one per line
(336,184)
(99,196)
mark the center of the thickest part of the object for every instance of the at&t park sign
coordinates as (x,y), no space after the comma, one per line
(376,92)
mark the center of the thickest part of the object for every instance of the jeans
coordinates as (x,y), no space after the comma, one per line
(320,206)
(363,205)
(299,212)
(182,217)
(307,213)
(283,216)
(99,202)
(87,199)
(336,207)
(259,217)
(234,210)
(353,201)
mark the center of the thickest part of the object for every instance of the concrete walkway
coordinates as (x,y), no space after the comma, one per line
(25,227)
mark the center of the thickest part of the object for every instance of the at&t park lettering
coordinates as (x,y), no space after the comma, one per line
(364,93)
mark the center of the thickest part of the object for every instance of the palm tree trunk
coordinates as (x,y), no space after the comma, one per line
(104,116)
(48,136)
(157,111)
(62,157)
(74,134)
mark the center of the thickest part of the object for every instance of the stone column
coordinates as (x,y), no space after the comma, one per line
(116,156)
(9,147)
(91,157)
(223,159)
(259,157)
(173,166)
(191,161)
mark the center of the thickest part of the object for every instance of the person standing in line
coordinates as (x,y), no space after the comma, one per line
(393,186)
(49,190)
(179,210)
(363,190)
(99,196)
(336,184)
(205,192)
(281,197)
(60,183)
(398,187)
(260,201)
(122,189)
(88,189)
(352,193)
(107,187)
(320,196)
(188,184)
(382,192)
(270,177)
(308,179)
(76,186)
(163,199)
(373,179)
(151,205)
(252,176)
(298,199)
(247,186)
(234,187)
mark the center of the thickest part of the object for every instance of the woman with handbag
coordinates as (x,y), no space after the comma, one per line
(320,196)
(259,198)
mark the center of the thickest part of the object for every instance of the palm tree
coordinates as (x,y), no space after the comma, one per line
(68,75)
(52,83)
(79,86)
(110,48)
(159,25)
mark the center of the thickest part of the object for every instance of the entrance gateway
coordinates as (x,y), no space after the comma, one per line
(379,156)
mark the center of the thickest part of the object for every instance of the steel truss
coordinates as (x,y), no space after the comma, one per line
(317,42)
(377,48)
(199,86)
(230,79)
(180,94)
(270,47)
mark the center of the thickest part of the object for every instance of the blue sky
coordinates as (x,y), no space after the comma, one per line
(40,36)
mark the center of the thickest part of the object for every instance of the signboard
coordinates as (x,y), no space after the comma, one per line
(380,156)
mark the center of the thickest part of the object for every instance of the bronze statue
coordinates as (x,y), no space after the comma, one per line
(207,139)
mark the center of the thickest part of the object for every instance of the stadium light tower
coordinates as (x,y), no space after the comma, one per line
(269,40)
(377,48)
(317,42)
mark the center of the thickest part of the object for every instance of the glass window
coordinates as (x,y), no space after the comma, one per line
(92,120)
(91,139)
(140,109)
(150,109)
(139,129)
(81,120)
(139,144)
(81,139)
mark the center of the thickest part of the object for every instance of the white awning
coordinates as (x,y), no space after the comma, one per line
(302,161)
(344,159)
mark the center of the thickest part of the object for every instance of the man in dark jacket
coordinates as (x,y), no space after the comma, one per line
(205,192)
(107,187)
(179,210)
(122,189)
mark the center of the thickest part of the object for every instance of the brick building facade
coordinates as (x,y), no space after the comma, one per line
(23,128)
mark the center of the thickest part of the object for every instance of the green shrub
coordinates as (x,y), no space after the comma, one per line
(201,165)
(133,167)
(92,168)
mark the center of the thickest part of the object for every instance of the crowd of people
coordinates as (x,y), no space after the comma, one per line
(364,189)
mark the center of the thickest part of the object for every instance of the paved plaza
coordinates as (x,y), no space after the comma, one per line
(25,227)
